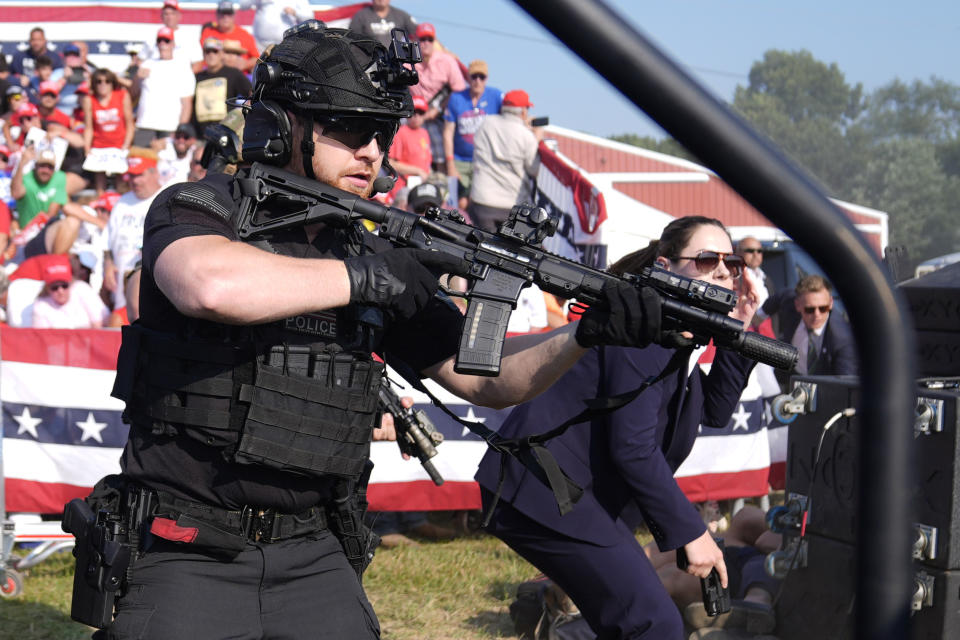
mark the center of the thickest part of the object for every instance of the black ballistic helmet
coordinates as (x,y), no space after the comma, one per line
(333,70)
(316,72)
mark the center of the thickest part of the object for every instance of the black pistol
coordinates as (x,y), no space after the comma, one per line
(716,598)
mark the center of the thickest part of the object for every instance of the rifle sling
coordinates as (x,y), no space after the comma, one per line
(530,450)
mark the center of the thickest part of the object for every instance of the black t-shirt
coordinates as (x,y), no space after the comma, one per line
(213,89)
(194,471)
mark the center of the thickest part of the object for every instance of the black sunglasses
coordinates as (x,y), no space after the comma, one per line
(752,250)
(707,261)
(167,40)
(478,76)
(56,286)
(426,39)
(357,131)
(822,309)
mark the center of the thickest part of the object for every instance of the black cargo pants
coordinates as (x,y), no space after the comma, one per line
(293,589)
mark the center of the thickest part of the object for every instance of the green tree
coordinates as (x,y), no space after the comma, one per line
(808,109)
(904,178)
(668,146)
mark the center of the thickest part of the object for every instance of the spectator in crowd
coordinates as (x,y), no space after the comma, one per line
(504,161)
(65,303)
(410,152)
(108,128)
(173,161)
(273,17)
(125,228)
(379,19)
(226,28)
(530,315)
(24,62)
(823,338)
(5,178)
(215,83)
(185,46)
(43,77)
(76,73)
(15,96)
(464,114)
(131,293)
(7,248)
(751,251)
(234,55)
(91,242)
(27,117)
(40,193)
(4,83)
(49,92)
(423,196)
(440,76)
(197,170)
(127,78)
(166,93)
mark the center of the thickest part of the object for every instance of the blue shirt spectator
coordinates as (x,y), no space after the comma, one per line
(23,63)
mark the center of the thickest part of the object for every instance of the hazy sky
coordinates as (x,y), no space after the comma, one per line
(716,40)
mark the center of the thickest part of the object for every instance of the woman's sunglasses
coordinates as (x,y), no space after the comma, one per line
(56,286)
(357,131)
(707,261)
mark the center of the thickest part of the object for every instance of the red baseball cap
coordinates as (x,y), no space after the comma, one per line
(138,164)
(173,4)
(420,104)
(57,269)
(426,30)
(106,201)
(517,98)
(165,33)
(49,87)
(83,88)
(26,110)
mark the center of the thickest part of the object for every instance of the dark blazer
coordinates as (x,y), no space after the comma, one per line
(625,459)
(838,350)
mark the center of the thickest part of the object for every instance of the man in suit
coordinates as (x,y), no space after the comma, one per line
(824,339)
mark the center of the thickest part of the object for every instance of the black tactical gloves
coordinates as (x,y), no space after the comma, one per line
(402,281)
(630,317)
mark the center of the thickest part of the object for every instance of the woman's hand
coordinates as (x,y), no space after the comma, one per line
(703,556)
(747,299)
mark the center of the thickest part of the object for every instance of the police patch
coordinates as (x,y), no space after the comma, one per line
(322,323)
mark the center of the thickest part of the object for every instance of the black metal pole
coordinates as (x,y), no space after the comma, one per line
(766,180)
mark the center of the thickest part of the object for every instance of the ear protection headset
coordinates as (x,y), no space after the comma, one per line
(267,134)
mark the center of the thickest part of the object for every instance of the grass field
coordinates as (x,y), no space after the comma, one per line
(457,590)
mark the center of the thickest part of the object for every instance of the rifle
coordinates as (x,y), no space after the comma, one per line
(499,265)
(416,434)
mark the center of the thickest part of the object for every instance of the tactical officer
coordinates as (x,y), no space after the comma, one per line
(249,381)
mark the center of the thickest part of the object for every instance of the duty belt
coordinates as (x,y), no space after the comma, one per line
(229,530)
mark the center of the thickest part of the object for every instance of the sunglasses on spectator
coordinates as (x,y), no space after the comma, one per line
(822,309)
(707,261)
(56,286)
(357,132)
(48,93)
(206,51)
(102,81)
(167,40)
(478,76)
(181,136)
(752,250)
(426,39)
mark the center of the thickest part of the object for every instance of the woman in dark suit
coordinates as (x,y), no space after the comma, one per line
(625,460)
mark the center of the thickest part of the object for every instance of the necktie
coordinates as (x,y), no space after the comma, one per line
(812,350)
